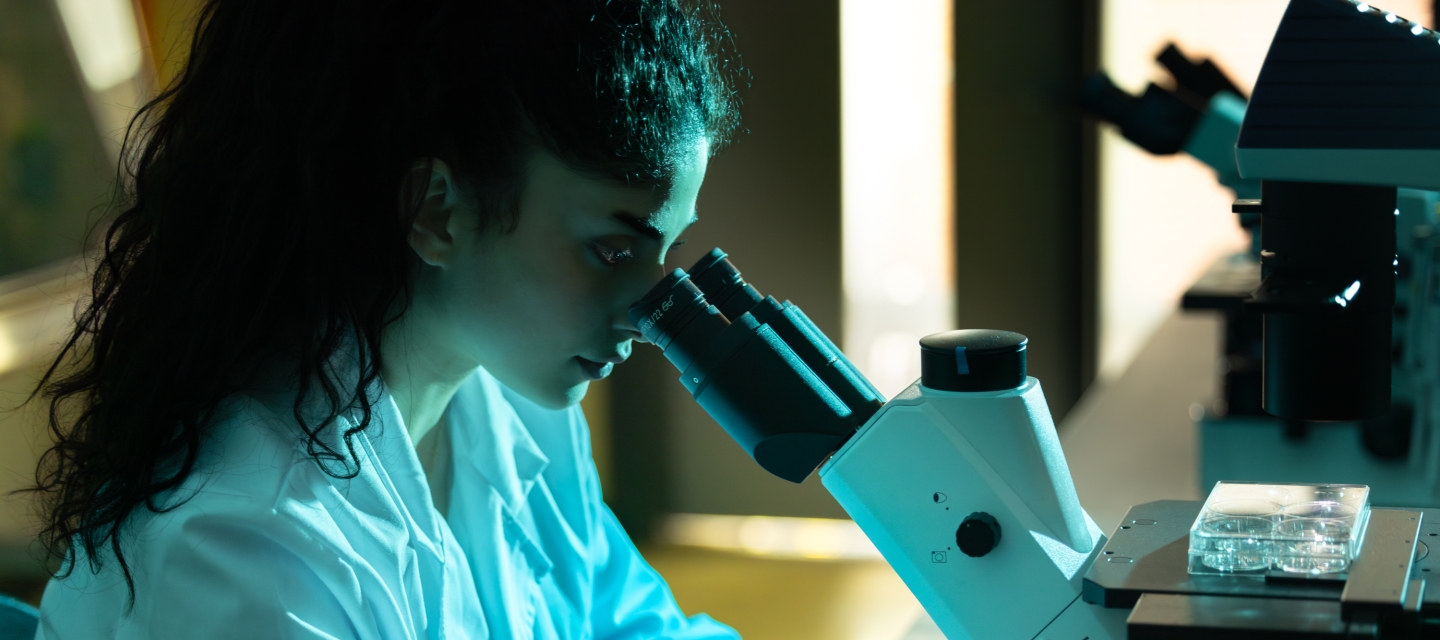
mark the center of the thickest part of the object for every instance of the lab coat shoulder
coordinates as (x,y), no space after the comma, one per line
(260,541)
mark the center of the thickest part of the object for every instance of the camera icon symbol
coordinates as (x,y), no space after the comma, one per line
(938,557)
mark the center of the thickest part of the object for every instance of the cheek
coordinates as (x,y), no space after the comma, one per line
(533,300)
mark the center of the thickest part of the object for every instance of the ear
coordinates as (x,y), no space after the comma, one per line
(430,234)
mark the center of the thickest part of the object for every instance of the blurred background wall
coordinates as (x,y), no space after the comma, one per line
(1024,164)
(773,202)
(70,72)
(53,166)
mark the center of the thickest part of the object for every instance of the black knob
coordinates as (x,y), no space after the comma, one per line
(972,360)
(979,532)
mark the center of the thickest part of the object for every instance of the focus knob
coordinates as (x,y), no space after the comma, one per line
(972,360)
(978,534)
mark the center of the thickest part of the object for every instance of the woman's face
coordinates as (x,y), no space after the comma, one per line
(543,308)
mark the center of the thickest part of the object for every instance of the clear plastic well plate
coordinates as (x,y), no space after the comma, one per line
(1247,528)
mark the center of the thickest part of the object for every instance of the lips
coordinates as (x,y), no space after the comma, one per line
(596,370)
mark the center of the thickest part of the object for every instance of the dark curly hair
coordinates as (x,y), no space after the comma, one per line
(259,219)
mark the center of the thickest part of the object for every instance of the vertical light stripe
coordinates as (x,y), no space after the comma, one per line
(105,38)
(896,77)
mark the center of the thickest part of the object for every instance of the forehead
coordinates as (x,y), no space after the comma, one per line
(667,206)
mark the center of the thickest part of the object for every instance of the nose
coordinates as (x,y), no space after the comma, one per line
(636,291)
(628,329)
(621,323)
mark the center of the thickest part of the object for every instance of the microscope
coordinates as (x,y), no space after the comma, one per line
(960,480)
(1201,115)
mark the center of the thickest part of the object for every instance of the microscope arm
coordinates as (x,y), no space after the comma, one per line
(933,464)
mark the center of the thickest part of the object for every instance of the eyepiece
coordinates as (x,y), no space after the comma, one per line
(675,317)
(720,280)
(655,308)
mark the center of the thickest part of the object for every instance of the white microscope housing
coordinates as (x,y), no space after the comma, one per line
(967,495)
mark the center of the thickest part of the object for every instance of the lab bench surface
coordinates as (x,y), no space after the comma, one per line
(790,599)
(1132,440)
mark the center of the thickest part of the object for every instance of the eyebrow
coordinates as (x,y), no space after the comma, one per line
(641,226)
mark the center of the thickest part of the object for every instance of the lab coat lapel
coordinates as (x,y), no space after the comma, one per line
(403,472)
(490,435)
(391,506)
(498,464)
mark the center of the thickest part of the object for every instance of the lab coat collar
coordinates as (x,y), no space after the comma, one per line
(392,448)
(384,440)
(485,430)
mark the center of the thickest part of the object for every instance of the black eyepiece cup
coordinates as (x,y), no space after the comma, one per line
(675,317)
(722,284)
(720,281)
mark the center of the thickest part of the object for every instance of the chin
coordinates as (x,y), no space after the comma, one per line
(575,394)
(551,392)
(556,396)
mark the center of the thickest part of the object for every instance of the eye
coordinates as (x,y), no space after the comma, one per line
(612,256)
(679,242)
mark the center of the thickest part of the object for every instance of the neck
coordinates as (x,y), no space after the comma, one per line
(422,370)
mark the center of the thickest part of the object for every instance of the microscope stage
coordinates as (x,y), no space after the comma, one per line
(1143,566)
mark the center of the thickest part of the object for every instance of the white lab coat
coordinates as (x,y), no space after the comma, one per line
(269,546)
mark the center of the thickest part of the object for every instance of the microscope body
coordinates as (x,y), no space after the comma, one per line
(959,480)
(929,464)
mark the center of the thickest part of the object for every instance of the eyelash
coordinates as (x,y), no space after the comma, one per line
(612,257)
(615,258)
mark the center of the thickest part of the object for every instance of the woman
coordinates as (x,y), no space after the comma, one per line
(370,256)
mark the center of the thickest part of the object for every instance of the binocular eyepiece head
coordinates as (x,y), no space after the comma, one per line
(775,382)
(760,368)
